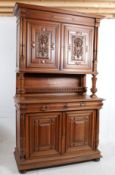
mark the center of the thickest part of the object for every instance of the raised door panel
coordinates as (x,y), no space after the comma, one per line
(43,45)
(77,44)
(80,131)
(44,134)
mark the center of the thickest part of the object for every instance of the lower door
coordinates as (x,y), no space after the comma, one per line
(44,134)
(80,131)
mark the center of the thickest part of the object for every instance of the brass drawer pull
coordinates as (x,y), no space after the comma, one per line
(82,104)
(44,108)
(65,106)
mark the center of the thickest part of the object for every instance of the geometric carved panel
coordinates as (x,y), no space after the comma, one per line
(77,50)
(44,134)
(79,126)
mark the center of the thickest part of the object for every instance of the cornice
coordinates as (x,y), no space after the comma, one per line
(101,7)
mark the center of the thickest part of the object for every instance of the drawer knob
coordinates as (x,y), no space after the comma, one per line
(82,104)
(65,106)
(42,61)
(44,108)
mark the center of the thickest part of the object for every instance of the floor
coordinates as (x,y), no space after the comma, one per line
(106,166)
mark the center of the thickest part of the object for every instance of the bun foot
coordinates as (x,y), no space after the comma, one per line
(97,160)
(22,171)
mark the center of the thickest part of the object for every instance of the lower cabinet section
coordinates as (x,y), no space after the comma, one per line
(54,138)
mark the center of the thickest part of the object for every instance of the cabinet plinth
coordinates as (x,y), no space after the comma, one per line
(56,121)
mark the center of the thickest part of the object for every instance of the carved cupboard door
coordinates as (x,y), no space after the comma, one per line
(80,131)
(43,43)
(77,43)
(44,134)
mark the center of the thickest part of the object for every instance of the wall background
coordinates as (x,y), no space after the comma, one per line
(105,83)
(106,80)
(7,78)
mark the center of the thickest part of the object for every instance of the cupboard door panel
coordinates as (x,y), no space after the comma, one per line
(43,43)
(77,52)
(80,130)
(44,134)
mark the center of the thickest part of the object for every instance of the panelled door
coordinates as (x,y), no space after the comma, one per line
(43,43)
(52,134)
(80,131)
(77,45)
(44,134)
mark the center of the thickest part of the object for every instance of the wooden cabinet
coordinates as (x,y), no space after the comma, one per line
(56,121)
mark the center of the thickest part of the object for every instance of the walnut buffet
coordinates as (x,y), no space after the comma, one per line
(56,121)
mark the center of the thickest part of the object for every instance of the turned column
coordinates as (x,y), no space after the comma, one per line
(94,89)
(95,47)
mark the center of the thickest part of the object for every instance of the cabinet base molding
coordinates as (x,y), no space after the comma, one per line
(55,161)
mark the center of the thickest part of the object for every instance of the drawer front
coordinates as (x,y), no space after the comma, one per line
(47,107)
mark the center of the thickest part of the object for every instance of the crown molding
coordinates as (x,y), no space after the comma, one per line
(101,7)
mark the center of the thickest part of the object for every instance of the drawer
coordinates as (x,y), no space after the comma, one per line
(47,107)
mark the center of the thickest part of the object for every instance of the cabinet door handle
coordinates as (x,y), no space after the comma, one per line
(65,106)
(33,44)
(52,46)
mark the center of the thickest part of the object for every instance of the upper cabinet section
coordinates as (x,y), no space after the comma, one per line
(56,41)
